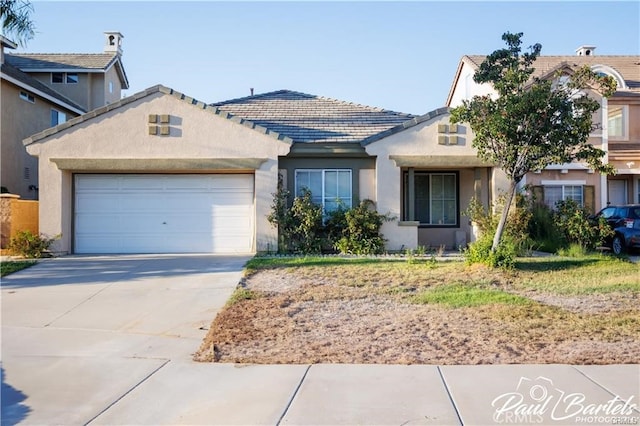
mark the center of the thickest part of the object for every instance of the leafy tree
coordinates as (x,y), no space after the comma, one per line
(15,19)
(533,122)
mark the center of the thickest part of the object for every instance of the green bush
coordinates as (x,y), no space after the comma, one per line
(544,230)
(361,230)
(480,252)
(301,228)
(29,245)
(577,228)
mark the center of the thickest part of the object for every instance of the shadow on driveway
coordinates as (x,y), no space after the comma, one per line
(114,268)
(13,410)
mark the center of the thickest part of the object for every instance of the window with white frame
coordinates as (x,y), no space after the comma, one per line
(25,96)
(555,193)
(330,188)
(57,117)
(431,198)
(618,122)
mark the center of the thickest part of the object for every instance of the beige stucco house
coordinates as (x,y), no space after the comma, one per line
(41,90)
(617,129)
(162,172)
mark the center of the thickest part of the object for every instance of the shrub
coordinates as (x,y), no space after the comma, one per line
(544,230)
(300,227)
(576,226)
(480,252)
(361,230)
(29,245)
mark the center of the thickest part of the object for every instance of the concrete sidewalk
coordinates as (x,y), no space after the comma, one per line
(109,340)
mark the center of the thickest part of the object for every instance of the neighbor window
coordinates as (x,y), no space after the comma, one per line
(64,77)
(330,188)
(27,97)
(617,122)
(57,117)
(553,194)
(431,198)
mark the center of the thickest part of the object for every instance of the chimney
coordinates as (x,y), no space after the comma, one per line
(585,50)
(113,42)
(251,91)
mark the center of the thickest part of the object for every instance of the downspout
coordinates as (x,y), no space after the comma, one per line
(605,147)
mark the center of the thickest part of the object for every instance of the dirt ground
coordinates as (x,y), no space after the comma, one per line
(302,317)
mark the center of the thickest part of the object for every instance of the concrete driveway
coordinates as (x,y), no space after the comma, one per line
(79,333)
(109,341)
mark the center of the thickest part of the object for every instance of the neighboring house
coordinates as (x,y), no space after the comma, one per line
(162,172)
(617,133)
(43,90)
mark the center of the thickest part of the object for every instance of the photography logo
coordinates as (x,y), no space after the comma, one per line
(539,401)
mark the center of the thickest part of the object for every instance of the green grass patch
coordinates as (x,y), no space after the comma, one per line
(585,275)
(258,263)
(460,295)
(241,294)
(7,268)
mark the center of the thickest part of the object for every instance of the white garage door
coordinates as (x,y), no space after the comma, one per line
(164,213)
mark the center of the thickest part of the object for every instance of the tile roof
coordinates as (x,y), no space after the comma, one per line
(627,66)
(34,84)
(65,61)
(313,119)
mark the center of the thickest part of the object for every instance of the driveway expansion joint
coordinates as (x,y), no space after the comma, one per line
(144,379)
(293,396)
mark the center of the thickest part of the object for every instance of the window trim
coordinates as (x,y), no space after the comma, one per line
(323,173)
(27,97)
(406,203)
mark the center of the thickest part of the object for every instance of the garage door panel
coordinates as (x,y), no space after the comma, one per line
(164,213)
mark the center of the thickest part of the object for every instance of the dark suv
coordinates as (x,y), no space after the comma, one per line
(625,222)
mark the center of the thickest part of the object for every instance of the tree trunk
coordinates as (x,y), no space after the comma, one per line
(503,217)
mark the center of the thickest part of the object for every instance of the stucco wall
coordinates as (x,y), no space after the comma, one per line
(122,134)
(21,119)
(419,147)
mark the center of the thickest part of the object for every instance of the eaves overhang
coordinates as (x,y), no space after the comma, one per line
(157,164)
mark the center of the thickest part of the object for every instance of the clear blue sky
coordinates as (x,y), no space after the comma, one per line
(395,55)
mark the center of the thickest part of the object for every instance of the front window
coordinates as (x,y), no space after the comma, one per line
(553,194)
(617,122)
(57,117)
(330,188)
(431,198)
(72,78)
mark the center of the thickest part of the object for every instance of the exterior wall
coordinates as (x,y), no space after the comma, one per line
(97,91)
(466,88)
(111,76)
(16,215)
(421,150)
(78,92)
(21,119)
(357,166)
(122,134)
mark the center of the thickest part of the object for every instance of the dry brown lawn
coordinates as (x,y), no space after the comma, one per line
(426,312)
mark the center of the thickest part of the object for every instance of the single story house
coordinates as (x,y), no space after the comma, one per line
(161,172)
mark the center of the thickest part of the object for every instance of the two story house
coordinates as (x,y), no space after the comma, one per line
(617,130)
(40,91)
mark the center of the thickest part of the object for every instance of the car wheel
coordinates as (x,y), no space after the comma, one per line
(617,245)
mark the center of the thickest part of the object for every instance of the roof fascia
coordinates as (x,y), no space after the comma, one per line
(143,94)
(406,125)
(41,94)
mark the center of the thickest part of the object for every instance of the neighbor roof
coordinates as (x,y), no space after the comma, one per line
(29,83)
(628,66)
(82,62)
(313,119)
